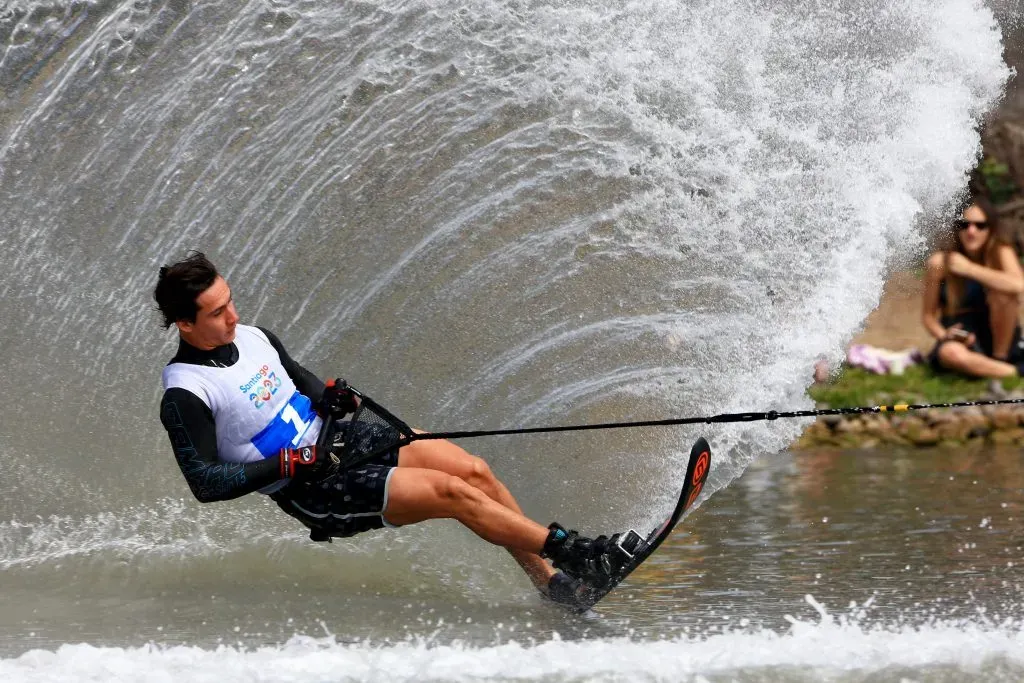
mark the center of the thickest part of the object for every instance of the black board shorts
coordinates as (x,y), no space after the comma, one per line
(349,502)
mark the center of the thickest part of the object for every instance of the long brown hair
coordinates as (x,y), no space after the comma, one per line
(989,253)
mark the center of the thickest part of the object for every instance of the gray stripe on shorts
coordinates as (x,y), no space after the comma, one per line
(387,490)
(332,514)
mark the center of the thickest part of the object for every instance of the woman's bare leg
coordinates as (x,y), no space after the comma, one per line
(447,457)
(1004,314)
(956,356)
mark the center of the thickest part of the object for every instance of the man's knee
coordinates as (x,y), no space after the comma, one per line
(458,494)
(479,474)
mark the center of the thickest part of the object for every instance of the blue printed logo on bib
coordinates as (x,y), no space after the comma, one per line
(287,428)
(261,386)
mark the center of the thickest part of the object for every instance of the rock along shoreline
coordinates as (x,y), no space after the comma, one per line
(930,427)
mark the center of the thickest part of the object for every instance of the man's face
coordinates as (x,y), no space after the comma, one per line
(215,319)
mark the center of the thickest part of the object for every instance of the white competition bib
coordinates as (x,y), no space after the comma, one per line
(255,405)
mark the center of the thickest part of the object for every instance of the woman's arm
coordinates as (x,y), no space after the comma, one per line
(1006,275)
(935,269)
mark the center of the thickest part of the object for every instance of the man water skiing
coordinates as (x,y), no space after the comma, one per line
(243,416)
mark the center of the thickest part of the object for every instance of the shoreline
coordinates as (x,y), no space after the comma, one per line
(927,428)
(895,325)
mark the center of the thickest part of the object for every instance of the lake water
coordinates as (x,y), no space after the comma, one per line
(491,214)
(820,565)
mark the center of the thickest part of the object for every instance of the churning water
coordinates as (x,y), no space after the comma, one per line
(485,214)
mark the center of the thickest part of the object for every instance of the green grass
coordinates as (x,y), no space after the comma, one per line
(918,384)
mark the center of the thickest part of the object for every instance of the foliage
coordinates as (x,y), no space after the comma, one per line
(856,387)
(998,180)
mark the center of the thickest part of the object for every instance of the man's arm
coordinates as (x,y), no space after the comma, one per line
(305,381)
(193,434)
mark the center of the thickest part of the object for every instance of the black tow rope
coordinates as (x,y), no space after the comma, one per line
(725,417)
(405,434)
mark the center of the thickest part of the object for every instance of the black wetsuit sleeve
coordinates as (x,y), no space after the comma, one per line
(305,381)
(189,422)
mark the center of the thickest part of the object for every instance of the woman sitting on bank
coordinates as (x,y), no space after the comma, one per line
(972,299)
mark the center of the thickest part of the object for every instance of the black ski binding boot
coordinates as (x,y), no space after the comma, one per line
(596,561)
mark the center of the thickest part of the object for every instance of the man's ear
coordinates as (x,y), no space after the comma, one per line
(184,326)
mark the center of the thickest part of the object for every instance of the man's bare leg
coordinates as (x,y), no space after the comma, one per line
(445,456)
(416,495)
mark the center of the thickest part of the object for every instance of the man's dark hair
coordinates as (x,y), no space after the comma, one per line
(180,284)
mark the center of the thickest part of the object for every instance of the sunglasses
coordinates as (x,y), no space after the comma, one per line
(963,225)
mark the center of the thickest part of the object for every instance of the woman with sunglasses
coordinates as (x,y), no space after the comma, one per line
(972,298)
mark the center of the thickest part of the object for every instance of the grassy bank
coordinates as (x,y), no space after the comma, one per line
(953,427)
(918,384)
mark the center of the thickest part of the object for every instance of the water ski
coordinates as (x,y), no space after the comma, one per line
(638,547)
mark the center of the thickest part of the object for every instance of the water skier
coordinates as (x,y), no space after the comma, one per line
(243,416)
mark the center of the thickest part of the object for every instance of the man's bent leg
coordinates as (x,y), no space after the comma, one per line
(416,495)
(445,456)
(448,457)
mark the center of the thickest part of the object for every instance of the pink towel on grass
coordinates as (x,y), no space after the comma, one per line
(882,361)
